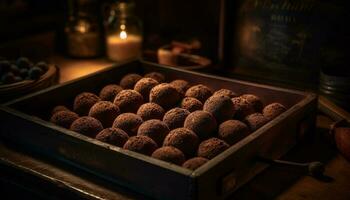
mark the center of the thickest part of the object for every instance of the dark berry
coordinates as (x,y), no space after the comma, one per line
(8,78)
(23,72)
(4,66)
(18,78)
(23,62)
(15,70)
(43,65)
(35,73)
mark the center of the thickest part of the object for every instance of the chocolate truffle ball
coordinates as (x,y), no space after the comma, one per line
(202,123)
(105,112)
(255,121)
(141,144)
(183,139)
(150,111)
(144,86)
(64,118)
(232,131)
(59,108)
(241,107)
(211,148)
(175,117)
(169,154)
(191,104)
(129,81)
(128,101)
(273,110)
(128,122)
(154,129)
(226,92)
(88,126)
(220,106)
(254,101)
(114,136)
(164,95)
(83,102)
(160,78)
(109,92)
(194,163)
(200,92)
(180,85)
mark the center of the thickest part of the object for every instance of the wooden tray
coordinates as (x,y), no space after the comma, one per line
(24,122)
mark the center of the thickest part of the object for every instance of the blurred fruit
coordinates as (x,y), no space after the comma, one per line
(8,78)
(42,65)
(342,140)
(23,73)
(4,66)
(15,70)
(35,73)
(18,78)
(23,62)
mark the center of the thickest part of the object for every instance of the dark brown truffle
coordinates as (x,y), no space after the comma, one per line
(109,92)
(169,154)
(150,111)
(241,107)
(232,131)
(128,101)
(183,139)
(154,129)
(200,92)
(64,118)
(59,108)
(128,122)
(141,144)
(211,148)
(226,92)
(175,117)
(129,81)
(220,106)
(144,86)
(273,110)
(164,95)
(191,104)
(156,76)
(114,136)
(254,101)
(88,126)
(194,163)
(83,102)
(180,85)
(255,121)
(105,112)
(202,123)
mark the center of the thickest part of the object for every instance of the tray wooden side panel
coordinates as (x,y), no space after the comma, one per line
(233,168)
(143,174)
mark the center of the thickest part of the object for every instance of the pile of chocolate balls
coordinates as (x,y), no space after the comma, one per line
(176,122)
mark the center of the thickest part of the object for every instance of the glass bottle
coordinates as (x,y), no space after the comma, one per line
(83,30)
(123,32)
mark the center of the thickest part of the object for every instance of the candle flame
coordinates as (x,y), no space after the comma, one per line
(123,35)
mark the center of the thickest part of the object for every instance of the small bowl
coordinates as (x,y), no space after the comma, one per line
(167,56)
(17,89)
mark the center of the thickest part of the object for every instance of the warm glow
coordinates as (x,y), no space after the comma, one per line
(123,35)
(122,27)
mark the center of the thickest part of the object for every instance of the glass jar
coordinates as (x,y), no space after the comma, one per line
(83,30)
(123,32)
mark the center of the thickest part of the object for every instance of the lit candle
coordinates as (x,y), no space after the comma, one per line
(123,46)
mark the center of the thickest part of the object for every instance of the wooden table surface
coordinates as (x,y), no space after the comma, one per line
(32,175)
